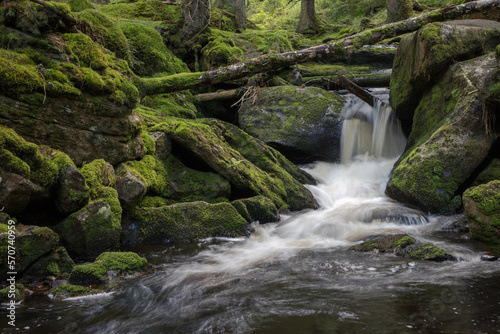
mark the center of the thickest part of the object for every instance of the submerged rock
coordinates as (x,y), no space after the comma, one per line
(302,123)
(405,246)
(482,209)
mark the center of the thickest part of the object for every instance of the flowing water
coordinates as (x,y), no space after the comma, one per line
(298,275)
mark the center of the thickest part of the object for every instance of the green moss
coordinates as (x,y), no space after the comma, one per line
(490,173)
(430,252)
(79,5)
(152,172)
(404,241)
(258,208)
(150,10)
(64,291)
(85,52)
(156,108)
(150,55)
(18,74)
(220,49)
(104,31)
(149,147)
(89,273)
(19,293)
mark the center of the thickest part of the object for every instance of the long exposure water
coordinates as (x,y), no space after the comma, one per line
(298,275)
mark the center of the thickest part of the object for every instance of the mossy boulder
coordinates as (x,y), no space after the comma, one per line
(56,263)
(218,144)
(405,246)
(19,294)
(150,54)
(448,141)
(130,189)
(91,230)
(424,55)
(72,193)
(183,222)
(31,243)
(257,208)
(109,264)
(490,173)
(482,209)
(303,123)
(65,291)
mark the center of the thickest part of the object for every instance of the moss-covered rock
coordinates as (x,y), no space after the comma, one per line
(405,246)
(109,264)
(65,291)
(72,193)
(209,144)
(490,173)
(183,222)
(425,54)
(303,123)
(91,231)
(56,263)
(31,243)
(448,140)
(150,54)
(131,189)
(482,209)
(257,208)
(18,291)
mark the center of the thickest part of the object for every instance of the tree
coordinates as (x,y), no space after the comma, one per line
(308,21)
(196,15)
(236,8)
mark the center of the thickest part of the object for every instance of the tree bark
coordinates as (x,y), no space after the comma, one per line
(240,14)
(307,20)
(273,62)
(196,14)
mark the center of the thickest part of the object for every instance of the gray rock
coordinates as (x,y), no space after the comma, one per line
(130,189)
(72,193)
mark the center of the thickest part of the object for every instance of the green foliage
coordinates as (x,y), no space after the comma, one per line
(150,10)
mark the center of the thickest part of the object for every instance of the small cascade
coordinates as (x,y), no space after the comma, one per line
(372,131)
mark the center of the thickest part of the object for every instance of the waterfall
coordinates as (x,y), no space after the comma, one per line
(373,131)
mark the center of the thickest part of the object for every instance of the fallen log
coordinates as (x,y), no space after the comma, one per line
(219,96)
(273,62)
(362,93)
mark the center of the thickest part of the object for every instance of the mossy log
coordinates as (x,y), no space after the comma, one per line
(273,62)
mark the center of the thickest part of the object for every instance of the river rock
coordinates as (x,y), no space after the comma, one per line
(426,54)
(405,246)
(56,263)
(163,145)
(482,209)
(302,123)
(258,208)
(449,139)
(31,243)
(72,193)
(130,189)
(90,231)
(15,192)
(182,222)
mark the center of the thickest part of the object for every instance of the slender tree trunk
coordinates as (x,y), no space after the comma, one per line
(308,21)
(240,14)
(273,62)
(196,15)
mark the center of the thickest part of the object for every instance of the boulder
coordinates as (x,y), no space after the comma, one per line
(56,263)
(130,189)
(162,144)
(302,123)
(449,138)
(425,55)
(31,243)
(250,166)
(182,222)
(72,193)
(405,246)
(482,209)
(15,192)
(109,265)
(90,231)
(257,208)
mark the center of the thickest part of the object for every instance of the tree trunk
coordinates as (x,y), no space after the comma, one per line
(273,62)
(196,14)
(308,20)
(240,14)
(398,10)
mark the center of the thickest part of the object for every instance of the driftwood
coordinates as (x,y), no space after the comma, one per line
(273,62)
(219,96)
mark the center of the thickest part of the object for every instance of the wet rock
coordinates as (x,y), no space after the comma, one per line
(405,246)
(427,53)
(56,263)
(258,208)
(182,222)
(72,193)
(448,141)
(130,189)
(19,294)
(302,123)
(401,215)
(109,265)
(90,231)
(482,209)
(31,242)
(489,257)
(15,192)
